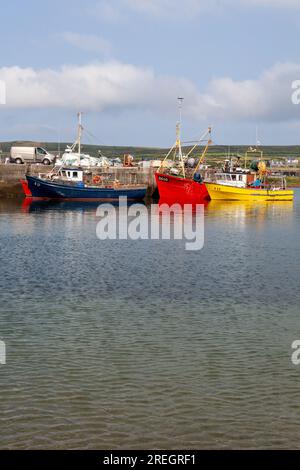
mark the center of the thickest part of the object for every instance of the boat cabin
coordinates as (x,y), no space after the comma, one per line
(71,174)
(238,180)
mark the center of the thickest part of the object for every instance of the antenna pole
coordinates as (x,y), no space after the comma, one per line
(178,135)
(180,103)
(79,136)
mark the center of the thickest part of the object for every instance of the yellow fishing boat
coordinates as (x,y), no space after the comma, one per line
(255,184)
(231,193)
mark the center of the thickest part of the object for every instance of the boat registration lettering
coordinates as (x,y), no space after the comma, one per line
(163,178)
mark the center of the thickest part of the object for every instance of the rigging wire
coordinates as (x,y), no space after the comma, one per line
(99,142)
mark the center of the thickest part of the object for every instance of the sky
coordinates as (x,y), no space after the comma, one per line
(123,63)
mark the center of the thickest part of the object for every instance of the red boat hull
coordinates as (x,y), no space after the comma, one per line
(173,189)
(26,189)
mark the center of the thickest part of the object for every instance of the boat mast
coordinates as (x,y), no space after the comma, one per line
(178,149)
(209,142)
(79,136)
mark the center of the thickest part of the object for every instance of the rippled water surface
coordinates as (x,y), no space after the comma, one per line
(142,344)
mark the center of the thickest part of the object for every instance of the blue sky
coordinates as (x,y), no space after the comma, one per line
(124,62)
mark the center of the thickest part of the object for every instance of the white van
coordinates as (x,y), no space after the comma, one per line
(31,155)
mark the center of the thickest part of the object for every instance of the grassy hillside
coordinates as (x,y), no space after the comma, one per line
(108,151)
(215,152)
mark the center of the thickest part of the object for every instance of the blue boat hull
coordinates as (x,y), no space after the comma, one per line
(43,189)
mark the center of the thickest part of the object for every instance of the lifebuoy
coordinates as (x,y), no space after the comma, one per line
(97,179)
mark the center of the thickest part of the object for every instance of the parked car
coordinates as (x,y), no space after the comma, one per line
(31,155)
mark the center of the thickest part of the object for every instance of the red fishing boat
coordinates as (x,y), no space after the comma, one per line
(180,190)
(178,179)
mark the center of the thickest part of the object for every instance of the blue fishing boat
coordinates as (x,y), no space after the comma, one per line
(76,183)
(73,184)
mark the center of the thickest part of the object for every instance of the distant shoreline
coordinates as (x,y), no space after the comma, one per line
(215,152)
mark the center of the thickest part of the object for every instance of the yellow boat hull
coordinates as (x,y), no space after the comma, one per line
(231,193)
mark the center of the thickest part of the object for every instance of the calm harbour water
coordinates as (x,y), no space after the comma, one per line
(142,344)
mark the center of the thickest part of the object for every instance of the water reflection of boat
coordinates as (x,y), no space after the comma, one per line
(32,205)
(243,210)
(165,205)
(9,205)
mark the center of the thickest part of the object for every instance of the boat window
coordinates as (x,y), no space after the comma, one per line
(63,173)
(75,174)
(233,177)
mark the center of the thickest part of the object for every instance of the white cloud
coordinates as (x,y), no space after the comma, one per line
(114,85)
(267,98)
(87,42)
(97,86)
